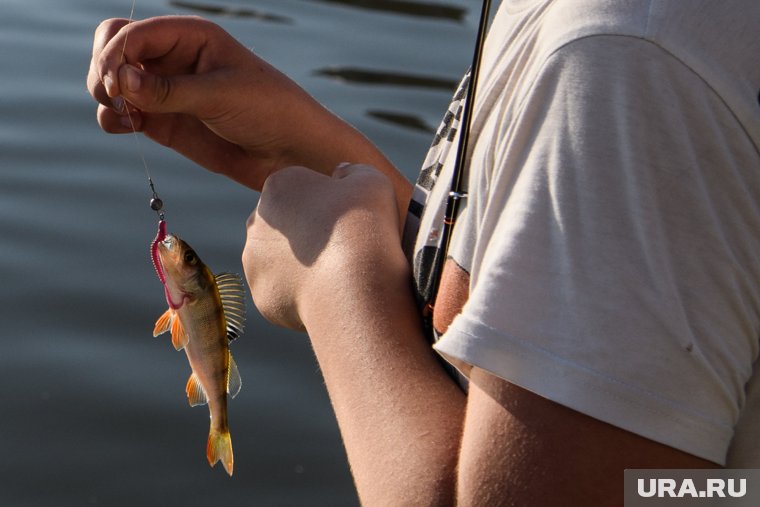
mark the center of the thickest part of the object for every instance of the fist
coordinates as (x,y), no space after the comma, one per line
(313,236)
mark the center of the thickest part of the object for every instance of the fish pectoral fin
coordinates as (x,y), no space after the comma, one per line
(164,322)
(195,393)
(179,336)
(232,294)
(234,382)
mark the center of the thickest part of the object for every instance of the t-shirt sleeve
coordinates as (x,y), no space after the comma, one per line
(615,262)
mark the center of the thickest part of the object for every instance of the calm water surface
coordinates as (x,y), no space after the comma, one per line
(94,410)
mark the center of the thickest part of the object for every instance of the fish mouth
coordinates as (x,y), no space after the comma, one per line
(169,242)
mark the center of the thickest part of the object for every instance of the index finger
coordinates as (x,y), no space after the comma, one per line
(176,40)
(103,34)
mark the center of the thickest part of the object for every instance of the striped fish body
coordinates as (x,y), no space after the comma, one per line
(205,313)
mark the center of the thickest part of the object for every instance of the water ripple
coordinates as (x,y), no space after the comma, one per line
(357,75)
(432,10)
(402,120)
(236,12)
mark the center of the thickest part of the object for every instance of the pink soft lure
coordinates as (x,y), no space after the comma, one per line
(161,236)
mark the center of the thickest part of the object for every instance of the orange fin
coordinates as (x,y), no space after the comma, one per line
(195,392)
(179,336)
(164,322)
(219,448)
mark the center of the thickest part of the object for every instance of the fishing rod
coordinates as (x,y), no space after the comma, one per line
(456,192)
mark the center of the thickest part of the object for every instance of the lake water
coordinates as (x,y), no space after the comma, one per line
(93,408)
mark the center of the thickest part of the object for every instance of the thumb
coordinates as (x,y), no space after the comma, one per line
(347,169)
(159,94)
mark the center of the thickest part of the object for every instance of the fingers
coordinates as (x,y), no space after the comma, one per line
(189,137)
(158,94)
(365,182)
(309,228)
(124,54)
(346,169)
(355,179)
(141,41)
(294,192)
(342,170)
(103,34)
(115,122)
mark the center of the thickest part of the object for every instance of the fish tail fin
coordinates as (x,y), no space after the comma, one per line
(219,448)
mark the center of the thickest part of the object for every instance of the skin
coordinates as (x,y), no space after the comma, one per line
(177,65)
(412,437)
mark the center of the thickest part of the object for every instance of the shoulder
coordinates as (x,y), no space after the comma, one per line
(694,31)
(567,54)
(716,42)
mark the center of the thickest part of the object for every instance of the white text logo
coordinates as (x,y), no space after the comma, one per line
(715,488)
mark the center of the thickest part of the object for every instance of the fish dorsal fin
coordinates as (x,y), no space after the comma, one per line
(232,293)
(195,393)
(179,336)
(234,383)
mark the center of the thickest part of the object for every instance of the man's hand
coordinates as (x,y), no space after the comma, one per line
(312,234)
(191,86)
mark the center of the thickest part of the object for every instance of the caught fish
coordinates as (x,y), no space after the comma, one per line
(205,313)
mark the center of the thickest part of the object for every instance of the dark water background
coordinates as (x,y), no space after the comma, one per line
(92,408)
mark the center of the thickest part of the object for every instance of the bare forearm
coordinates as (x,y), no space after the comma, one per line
(399,413)
(323,255)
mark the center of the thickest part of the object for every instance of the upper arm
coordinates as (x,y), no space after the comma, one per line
(614,260)
(521,449)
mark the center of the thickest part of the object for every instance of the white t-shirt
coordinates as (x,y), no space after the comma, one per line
(610,243)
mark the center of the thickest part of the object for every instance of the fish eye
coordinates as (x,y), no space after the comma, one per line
(190,257)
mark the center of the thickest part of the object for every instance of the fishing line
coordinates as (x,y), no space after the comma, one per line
(156,204)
